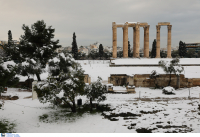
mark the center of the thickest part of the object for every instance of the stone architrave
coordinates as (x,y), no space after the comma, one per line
(158,41)
(137,43)
(125,40)
(114,29)
(169,41)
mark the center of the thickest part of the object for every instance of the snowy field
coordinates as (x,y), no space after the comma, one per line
(153,111)
(101,68)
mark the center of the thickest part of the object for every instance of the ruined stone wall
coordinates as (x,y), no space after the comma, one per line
(162,81)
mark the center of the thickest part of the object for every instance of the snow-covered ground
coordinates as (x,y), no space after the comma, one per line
(101,68)
(153,110)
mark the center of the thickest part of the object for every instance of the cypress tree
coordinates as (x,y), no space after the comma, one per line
(10,41)
(153,51)
(74,47)
(184,50)
(100,50)
(180,48)
(129,49)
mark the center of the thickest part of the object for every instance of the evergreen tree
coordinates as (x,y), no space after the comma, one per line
(37,47)
(129,49)
(171,67)
(8,74)
(10,41)
(96,90)
(153,51)
(100,50)
(66,81)
(74,47)
(182,49)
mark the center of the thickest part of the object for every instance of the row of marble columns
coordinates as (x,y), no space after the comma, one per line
(136,39)
(168,41)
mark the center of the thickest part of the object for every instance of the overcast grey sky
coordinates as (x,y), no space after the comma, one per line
(91,20)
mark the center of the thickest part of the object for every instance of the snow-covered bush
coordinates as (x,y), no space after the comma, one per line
(8,72)
(171,67)
(65,82)
(154,74)
(96,91)
(168,90)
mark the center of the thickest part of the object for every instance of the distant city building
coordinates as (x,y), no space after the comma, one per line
(195,46)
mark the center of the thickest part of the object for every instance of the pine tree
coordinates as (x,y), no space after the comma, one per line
(96,90)
(153,51)
(66,81)
(100,51)
(74,47)
(129,49)
(10,41)
(37,47)
(8,74)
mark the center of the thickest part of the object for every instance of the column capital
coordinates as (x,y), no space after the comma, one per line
(146,27)
(114,25)
(137,26)
(158,27)
(169,27)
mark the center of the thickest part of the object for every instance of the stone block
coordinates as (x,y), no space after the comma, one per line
(130,89)
(34,93)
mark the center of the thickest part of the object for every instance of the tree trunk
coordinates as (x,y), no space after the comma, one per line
(74,107)
(38,77)
(169,79)
(90,104)
(178,82)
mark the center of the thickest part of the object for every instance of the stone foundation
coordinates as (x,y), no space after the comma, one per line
(143,80)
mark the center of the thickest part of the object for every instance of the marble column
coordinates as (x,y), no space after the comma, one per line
(114,29)
(125,40)
(134,42)
(147,41)
(145,35)
(158,41)
(137,44)
(169,41)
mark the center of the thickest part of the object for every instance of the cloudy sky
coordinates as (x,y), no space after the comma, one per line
(91,20)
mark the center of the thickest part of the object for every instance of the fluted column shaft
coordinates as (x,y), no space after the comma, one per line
(137,45)
(169,41)
(147,41)
(125,40)
(158,41)
(114,29)
(134,42)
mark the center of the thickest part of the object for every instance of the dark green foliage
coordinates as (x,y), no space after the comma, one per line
(153,51)
(171,67)
(163,54)
(93,54)
(7,76)
(129,49)
(101,50)
(37,43)
(96,91)
(66,78)
(154,75)
(6,126)
(182,49)
(120,54)
(191,53)
(74,47)
(175,54)
(107,55)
